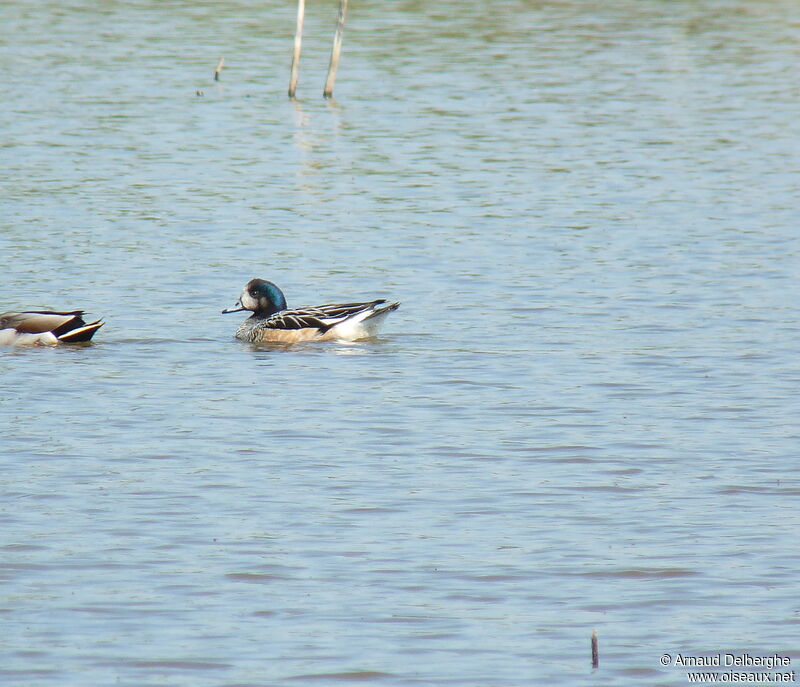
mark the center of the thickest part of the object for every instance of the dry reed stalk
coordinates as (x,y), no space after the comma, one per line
(336,51)
(298,39)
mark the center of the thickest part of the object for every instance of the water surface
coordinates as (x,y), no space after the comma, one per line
(584,415)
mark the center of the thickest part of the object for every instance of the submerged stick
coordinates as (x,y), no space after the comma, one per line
(220,65)
(336,51)
(298,39)
(595,650)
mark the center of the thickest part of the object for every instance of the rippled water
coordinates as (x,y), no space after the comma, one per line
(583,416)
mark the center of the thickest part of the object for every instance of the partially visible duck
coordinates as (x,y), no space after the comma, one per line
(273,321)
(45,328)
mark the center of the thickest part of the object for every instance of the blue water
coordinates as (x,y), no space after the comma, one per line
(584,415)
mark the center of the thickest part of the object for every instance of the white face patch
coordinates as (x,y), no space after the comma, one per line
(248,302)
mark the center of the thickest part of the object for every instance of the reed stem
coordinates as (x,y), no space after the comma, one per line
(298,39)
(336,51)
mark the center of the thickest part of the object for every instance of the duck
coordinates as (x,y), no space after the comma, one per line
(45,327)
(273,321)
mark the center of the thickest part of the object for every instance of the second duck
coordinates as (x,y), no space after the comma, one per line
(273,321)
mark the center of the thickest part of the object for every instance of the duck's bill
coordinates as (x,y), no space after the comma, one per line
(236,308)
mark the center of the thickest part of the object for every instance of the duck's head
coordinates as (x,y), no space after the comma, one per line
(262,297)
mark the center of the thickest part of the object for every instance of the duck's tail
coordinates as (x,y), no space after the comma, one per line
(361,325)
(381,312)
(79,334)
